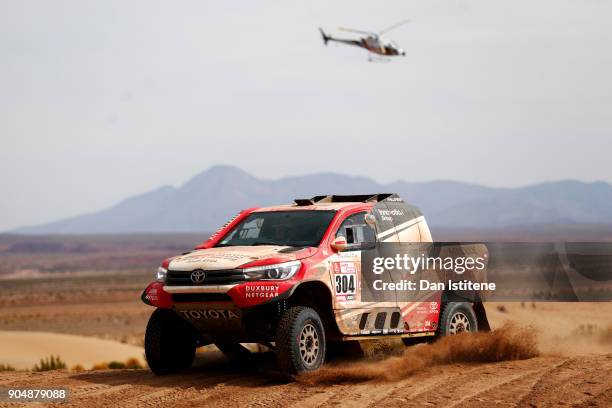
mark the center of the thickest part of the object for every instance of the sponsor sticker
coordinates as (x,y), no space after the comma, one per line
(261,291)
(199,314)
(213,258)
(151,295)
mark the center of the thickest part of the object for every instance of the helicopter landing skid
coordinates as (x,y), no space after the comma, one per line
(376,58)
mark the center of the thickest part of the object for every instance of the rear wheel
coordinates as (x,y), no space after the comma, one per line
(300,340)
(457,317)
(170,342)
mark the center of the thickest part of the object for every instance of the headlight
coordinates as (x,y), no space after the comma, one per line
(280,271)
(160,276)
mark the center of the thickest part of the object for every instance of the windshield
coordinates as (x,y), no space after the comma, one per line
(303,228)
(391,44)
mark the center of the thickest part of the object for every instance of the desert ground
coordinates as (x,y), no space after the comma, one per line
(20,348)
(556,354)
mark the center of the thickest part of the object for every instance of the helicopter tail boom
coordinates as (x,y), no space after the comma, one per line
(326,37)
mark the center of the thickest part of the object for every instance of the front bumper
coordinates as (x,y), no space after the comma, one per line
(246,312)
(241,295)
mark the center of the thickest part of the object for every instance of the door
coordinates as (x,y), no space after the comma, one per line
(354,315)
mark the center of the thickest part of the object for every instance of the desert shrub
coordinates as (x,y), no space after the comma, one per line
(116,365)
(133,364)
(78,368)
(6,367)
(130,364)
(50,363)
(100,366)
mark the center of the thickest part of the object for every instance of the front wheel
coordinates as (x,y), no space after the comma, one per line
(457,317)
(170,343)
(300,340)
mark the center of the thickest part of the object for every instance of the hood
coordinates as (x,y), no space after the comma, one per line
(235,256)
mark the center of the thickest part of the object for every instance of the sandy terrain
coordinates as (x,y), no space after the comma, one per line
(562,328)
(541,381)
(107,307)
(573,366)
(20,349)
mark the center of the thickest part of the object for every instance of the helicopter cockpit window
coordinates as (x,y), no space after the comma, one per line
(358,234)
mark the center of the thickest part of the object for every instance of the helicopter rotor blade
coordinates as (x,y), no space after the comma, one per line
(394,26)
(350,30)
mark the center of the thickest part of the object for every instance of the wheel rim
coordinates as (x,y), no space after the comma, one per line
(309,345)
(459,323)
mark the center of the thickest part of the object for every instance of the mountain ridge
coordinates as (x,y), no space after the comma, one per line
(209,198)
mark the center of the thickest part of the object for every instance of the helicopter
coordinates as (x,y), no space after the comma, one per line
(372,41)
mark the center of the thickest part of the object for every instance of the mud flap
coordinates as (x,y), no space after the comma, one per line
(481,316)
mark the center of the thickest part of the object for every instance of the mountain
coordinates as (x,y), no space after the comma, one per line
(209,199)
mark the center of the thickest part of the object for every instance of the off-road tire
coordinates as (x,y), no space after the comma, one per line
(457,317)
(170,343)
(300,340)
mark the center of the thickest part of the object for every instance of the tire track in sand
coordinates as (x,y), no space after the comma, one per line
(542,381)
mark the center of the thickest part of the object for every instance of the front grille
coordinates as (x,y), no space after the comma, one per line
(220,277)
(200,297)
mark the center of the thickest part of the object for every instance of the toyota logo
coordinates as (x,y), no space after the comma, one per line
(198,276)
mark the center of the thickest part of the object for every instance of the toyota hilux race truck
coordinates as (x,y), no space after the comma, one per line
(289,277)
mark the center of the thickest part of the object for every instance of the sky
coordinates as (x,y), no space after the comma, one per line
(101,100)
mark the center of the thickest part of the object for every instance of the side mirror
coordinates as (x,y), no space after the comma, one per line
(339,244)
(370,220)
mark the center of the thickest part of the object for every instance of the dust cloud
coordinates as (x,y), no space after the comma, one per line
(509,342)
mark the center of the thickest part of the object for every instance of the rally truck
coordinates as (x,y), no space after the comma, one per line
(289,277)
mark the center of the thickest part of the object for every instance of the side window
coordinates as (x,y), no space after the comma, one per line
(358,234)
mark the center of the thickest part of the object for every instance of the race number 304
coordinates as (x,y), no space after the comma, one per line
(345,281)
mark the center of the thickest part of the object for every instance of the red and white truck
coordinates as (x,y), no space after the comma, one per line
(289,277)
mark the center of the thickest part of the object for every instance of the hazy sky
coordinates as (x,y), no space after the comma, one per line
(100,100)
